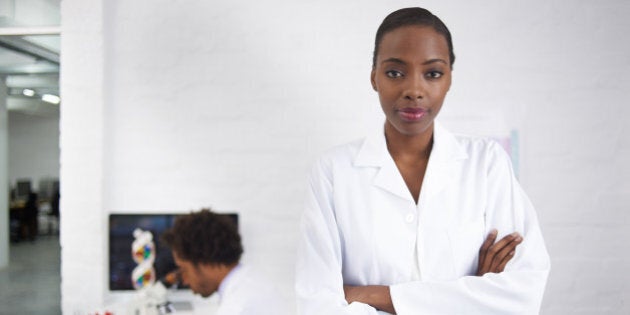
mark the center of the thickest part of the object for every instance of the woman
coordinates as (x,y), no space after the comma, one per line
(396,222)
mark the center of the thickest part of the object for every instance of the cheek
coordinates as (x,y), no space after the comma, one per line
(385,103)
(386,94)
(438,92)
(447,85)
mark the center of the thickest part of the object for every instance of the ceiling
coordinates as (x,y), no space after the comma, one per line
(29,54)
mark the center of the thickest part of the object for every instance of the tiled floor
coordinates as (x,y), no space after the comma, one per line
(31,283)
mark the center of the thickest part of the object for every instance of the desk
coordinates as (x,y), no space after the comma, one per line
(17,222)
(25,224)
(121,303)
(19,203)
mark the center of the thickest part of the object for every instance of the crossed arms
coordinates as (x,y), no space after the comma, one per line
(492,259)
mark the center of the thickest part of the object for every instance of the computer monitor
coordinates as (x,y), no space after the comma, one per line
(23,189)
(47,187)
(121,227)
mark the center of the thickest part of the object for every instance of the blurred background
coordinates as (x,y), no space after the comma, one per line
(171,106)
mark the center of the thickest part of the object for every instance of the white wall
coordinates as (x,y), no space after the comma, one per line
(176,106)
(83,236)
(33,147)
(4,185)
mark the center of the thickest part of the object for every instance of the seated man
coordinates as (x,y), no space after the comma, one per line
(207,248)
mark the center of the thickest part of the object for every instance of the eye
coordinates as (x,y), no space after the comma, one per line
(434,74)
(393,74)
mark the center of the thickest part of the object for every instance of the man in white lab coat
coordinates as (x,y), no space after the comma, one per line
(207,248)
(395,222)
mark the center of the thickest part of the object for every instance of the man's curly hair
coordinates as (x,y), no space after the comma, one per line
(205,237)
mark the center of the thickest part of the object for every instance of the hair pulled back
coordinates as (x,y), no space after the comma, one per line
(412,16)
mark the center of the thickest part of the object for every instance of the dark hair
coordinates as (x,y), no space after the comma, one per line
(205,237)
(412,16)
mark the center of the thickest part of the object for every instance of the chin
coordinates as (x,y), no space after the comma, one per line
(411,131)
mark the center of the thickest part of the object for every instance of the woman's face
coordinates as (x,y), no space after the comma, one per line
(412,75)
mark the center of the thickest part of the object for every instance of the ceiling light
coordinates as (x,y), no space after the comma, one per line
(28,92)
(53,99)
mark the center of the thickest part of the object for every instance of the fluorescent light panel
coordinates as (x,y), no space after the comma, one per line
(53,99)
(28,92)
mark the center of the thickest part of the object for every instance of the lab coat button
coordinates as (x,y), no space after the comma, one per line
(409,218)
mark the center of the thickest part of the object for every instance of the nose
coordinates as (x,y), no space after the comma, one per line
(415,87)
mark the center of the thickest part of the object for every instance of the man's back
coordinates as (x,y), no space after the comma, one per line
(243,292)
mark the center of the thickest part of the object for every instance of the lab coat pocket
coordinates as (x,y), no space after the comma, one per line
(465,239)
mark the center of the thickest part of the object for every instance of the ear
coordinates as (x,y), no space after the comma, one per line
(372,76)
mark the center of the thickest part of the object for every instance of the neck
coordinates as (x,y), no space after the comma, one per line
(414,146)
(225,270)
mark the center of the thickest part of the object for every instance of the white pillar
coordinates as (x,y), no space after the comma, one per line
(4,176)
(83,234)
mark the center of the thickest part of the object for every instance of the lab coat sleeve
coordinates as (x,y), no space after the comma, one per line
(319,280)
(517,290)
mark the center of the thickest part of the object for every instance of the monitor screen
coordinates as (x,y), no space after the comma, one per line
(47,188)
(23,189)
(121,227)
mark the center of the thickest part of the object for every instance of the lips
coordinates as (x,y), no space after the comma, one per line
(411,113)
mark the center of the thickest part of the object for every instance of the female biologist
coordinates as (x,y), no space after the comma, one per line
(398,222)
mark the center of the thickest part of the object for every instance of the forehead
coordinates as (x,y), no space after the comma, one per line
(413,42)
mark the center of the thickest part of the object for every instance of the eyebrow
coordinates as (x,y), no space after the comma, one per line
(400,61)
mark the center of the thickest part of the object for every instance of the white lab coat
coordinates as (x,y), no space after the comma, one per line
(361,226)
(245,293)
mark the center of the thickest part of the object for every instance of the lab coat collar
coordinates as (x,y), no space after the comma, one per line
(446,151)
(230,280)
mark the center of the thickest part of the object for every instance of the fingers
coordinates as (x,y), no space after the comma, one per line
(172,277)
(505,254)
(492,236)
(484,264)
(493,257)
(507,258)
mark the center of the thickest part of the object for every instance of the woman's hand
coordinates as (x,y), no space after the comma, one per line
(376,296)
(494,256)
